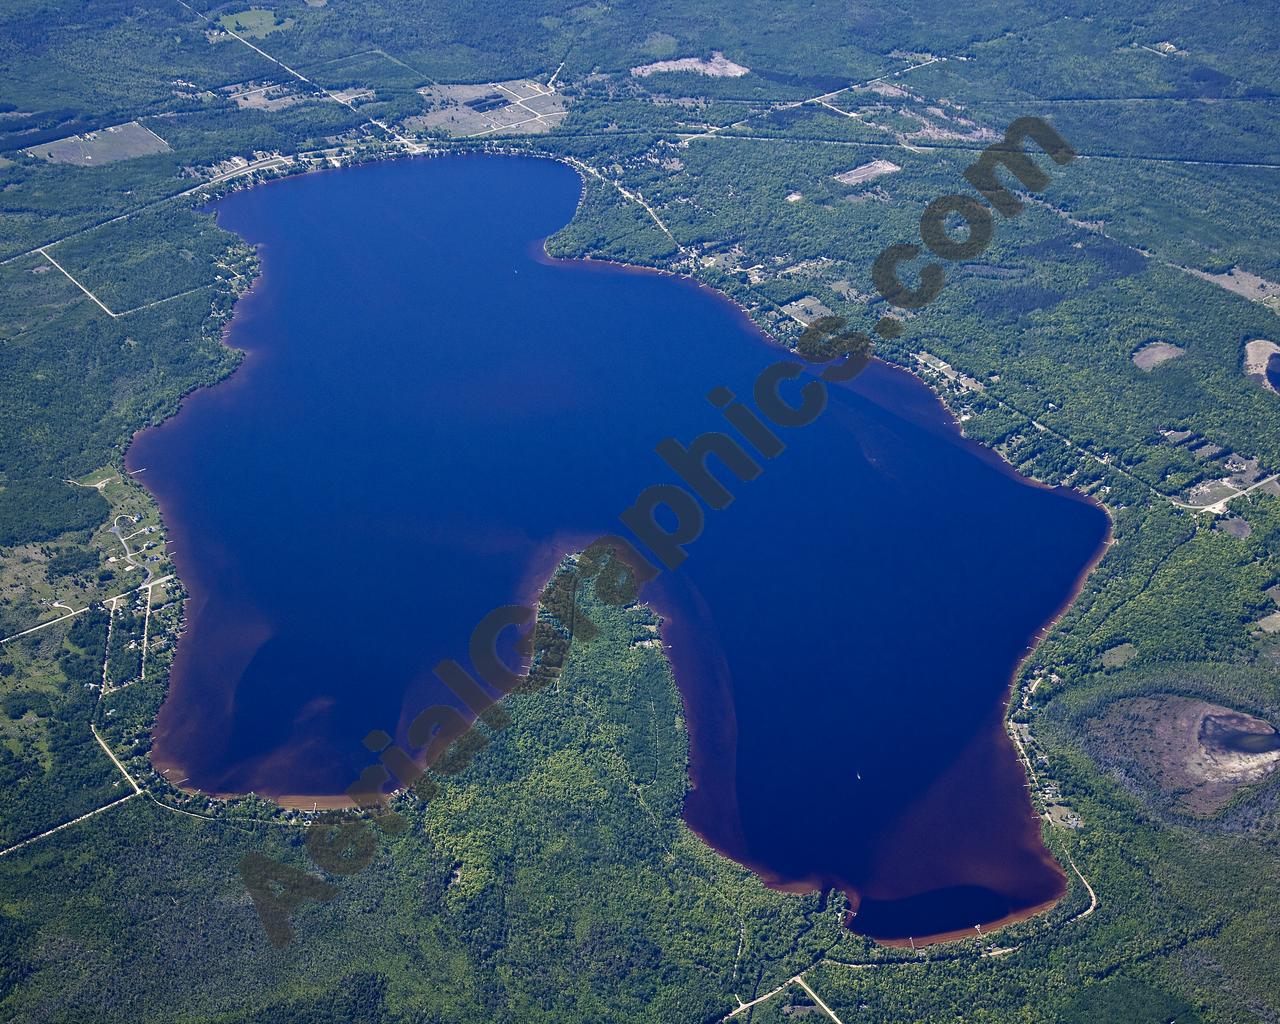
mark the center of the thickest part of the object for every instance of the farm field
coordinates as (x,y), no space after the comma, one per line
(119,142)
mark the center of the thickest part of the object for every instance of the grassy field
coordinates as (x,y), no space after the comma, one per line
(255,23)
(119,142)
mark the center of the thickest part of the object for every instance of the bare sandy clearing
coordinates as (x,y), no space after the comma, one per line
(355,94)
(1251,286)
(1153,353)
(719,66)
(867,172)
(1257,354)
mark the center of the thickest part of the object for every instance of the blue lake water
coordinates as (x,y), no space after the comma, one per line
(431,412)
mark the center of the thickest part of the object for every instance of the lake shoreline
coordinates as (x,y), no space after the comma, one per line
(941,415)
(947,418)
(1001,735)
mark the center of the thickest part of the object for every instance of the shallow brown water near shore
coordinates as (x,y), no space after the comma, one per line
(428,414)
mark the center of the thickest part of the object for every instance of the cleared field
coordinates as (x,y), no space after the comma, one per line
(256,96)
(867,172)
(255,23)
(1241,282)
(807,309)
(1232,526)
(1208,492)
(1152,354)
(719,66)
(1257,356)
(119,142)
(517,106)
(1119,655)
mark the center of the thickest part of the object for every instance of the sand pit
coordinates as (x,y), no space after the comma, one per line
(867,172)
(1153,353)
(1257,354)
(719,66)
